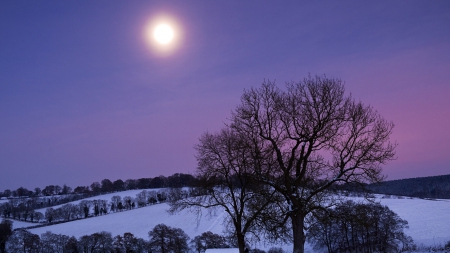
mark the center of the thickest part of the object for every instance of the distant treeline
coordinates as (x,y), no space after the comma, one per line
(22,203)
(437,187)
(20,208)
(421,187)
(105,186)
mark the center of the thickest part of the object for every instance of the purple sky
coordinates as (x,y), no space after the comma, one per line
(83,96)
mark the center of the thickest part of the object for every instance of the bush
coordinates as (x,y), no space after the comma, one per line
(5,232)
(23,241)
(166,239)
(358,227)
(209,240)
(256,250)
(275,250)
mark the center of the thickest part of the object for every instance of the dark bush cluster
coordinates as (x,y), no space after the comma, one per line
(24,241)
(162,239)
(358,227)
(209,240)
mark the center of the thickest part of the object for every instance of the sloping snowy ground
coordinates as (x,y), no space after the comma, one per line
(429,221)
(232,250)
(139,222)
(107,197)
(22,224)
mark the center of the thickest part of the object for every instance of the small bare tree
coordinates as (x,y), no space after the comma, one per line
(318,137)
(165,239)
(225,163)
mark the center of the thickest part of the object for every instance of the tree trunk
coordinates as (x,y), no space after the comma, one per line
(298,223)
(241,242)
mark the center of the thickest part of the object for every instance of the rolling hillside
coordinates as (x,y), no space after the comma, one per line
(428,221)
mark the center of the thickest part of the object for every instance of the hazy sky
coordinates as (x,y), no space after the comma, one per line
(84,97)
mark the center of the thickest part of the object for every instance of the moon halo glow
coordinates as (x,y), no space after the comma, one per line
(163,34)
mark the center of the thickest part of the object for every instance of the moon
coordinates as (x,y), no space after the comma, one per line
(163,34)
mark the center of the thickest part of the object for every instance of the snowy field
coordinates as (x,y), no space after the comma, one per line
(232,250)
(139,222)
(429,221)
(107,197)
(22,224)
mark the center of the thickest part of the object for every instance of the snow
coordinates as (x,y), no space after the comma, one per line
(230,250)
(22,224)
(107,197)
(429,220)
(138,222)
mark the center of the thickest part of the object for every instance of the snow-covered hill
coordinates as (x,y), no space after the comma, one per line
(429,220)
(107,197)
(139,222)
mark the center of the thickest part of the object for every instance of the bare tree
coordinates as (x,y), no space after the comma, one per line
(359,227)
(49,190)
(53,243)
(105,241)
(318,137)
(142,198)
(115,200)
(107,186)
(38,216)
(96,187)
(85,206)
(23,241)
(66,189)
(50,214)
(226,161)
(165,239)
(89,243)
(209,240)
(58,189)
(128,202)
(6,230)
(118,185)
